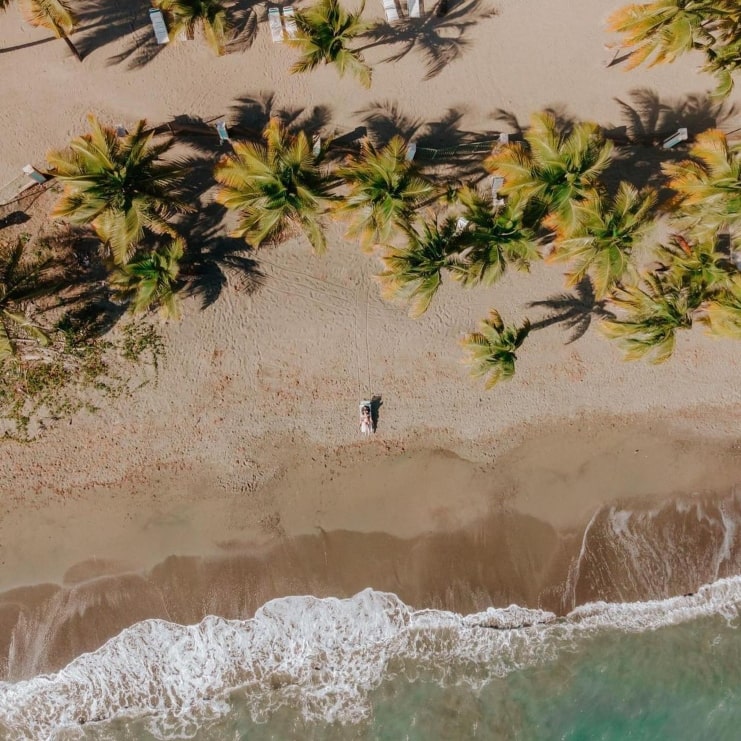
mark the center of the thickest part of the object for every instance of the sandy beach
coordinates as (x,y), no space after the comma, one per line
(235,474)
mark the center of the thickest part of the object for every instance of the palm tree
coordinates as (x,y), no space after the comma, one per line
(666,29)
(556,170)
(150,280)
(414,273)
(54,15)
(605,237)
(708,187)
(384,190)
(119,185)
(723,315)
(652,312)
(492,237)
(21,281)
(700,267)
(275,187)
(211,15)
(324,31)
(491,351)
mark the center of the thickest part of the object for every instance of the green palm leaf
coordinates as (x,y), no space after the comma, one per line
(184,16)
(649,315)
(151,280)
(22,280)
(491,239)
(491,352)
(324,32)
(708,187)
(384,189)
(414,273)
(275,186)
(119,185)
(556,169)
(605,237)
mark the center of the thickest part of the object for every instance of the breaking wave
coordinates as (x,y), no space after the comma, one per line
(321,656)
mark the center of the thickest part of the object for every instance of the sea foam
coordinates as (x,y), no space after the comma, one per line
(321,656)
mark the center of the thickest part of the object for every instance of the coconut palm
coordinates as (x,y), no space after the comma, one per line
(493,237)
(275,186)
(664,29)
(708,187)
(607,233)
(384,189)
(53,15)
(150,280)
(491,350)
(723,315)
(700,266)
(414,273)
(324,31)
(185,15)
(119,185)
(21,281)
(555,169)
(651,312)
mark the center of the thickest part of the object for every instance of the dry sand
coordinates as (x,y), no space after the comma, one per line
(243,454)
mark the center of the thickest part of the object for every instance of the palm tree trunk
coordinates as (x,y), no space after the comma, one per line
(72,47)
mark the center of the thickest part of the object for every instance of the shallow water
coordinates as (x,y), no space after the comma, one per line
(372,668)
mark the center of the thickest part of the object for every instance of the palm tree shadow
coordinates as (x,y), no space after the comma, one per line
(244,19)
(213,259)
(251,113)
(648,121)
(441,39)
(376,403)
(574,310)
(384,120)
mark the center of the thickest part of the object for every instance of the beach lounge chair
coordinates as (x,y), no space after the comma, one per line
(503,138)
(461,224)
(413,8)
(159,26)
(34,174)
(276,27)
(389,7)
(289,21)
(222,131)
(497,181)
(680,135)
(411,151)
(316,145)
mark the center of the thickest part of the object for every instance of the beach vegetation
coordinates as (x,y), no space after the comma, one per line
(649,313)
(555,168)
(53,15)
(384,188)
(276,187)
(413,273)
(606,232)
(723,315)
(120,185)
(491,351)
(325,31)
(150,279)
(660,31)
(493,236)
(708,186)
(23,279)
(185,16)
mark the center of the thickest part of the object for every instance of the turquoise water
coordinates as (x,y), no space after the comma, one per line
(679,681)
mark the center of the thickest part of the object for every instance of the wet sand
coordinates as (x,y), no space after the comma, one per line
(613,510)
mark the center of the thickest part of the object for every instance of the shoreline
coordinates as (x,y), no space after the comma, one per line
(531,527)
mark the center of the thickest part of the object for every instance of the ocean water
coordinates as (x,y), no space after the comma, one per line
(371,667)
